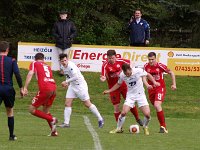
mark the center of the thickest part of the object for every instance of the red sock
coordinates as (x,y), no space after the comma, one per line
(43,115)
(49,122)
(135,112)
(161,118)
(117,116)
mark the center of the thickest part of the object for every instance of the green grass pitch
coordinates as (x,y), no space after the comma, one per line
(182,110)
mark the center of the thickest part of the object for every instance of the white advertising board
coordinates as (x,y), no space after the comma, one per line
(90,57)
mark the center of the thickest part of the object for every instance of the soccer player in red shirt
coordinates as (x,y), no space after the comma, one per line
(157,94)
(111,69)
(47,91)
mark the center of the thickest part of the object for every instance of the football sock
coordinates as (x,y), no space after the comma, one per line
(161,118)
(120,122)
(117,115)
(146,121)
(95,111)
(134,111)
(67,114)
(49,122)
(41,114)
(11,125)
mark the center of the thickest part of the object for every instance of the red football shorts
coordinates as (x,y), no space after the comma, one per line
(44,98)
(157,95)
(116,95)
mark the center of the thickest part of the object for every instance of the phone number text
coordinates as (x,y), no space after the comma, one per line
(187,68)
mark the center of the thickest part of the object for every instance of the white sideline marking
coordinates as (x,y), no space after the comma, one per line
(94,134)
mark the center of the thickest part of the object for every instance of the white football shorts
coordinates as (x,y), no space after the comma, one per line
(139,98)
(78,91)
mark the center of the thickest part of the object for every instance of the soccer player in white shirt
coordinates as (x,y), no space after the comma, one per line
(134,78)
(77,88)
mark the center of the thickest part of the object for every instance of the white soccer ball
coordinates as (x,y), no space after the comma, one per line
(134,129)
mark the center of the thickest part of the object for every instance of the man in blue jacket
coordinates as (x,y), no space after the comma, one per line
(139,30)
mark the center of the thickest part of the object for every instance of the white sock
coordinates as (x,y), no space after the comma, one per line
(67,114)
(95,111)
(120,121)
(146,121)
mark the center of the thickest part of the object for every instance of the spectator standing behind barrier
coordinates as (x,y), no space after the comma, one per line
(64,31)
(139,30)
(7,92)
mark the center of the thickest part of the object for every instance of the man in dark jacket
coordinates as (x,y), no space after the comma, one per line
(7,92)
(139,30)
(64,31)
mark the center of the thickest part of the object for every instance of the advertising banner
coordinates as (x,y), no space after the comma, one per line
(90,57)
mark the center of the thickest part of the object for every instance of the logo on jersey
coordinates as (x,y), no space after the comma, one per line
(110,68)
(157,69)
(118,65)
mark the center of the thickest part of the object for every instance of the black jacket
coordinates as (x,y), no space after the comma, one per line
(64,31)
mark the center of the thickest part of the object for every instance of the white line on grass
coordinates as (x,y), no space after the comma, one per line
(94,134)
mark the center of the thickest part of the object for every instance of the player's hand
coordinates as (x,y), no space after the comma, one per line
(106,92)
(25,92)
(173,87)
(64,84)
(156,84)
(149,87)
(103,78)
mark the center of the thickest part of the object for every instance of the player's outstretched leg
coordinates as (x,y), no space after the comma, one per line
(95,111)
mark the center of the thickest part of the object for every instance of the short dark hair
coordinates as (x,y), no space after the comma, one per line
(138,10)
(126,67)
(151,54)
(61,56)
(39,56)
(4,45)
(111,52)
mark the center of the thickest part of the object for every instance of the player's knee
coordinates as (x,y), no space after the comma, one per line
(123,114)
(31,109)
(157,107)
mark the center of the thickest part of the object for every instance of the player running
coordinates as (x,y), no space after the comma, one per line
(134,79)
(157,94)
(47,91)
(77,88)
(111,69)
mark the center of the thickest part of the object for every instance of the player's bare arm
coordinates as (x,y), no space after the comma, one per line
(28,80)
(144,79)
(173,86)
(151,78)
(115,87)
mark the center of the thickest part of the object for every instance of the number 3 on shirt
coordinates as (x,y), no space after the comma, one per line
(46,69)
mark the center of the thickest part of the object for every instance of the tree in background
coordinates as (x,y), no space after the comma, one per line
(174,23)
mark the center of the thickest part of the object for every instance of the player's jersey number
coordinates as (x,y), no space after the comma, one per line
(46,69)
(132,83)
